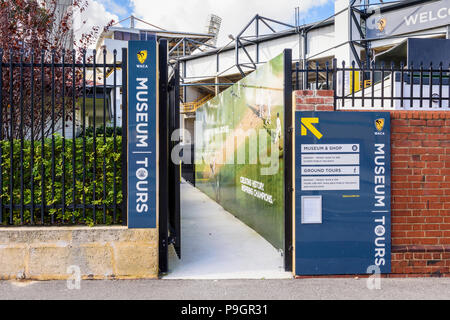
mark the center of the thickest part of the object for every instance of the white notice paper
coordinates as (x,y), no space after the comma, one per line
(330,148)
(330,183)
(312,209)
(330,159)
(329,171)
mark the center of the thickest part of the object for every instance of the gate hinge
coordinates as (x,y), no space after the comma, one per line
(172,240)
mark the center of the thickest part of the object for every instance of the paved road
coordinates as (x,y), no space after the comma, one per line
(230,289)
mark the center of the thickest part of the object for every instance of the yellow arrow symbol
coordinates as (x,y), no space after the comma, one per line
(307,123)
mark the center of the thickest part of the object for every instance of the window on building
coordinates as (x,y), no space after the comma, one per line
(118,35)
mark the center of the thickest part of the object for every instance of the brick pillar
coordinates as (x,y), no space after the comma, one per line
(314,100)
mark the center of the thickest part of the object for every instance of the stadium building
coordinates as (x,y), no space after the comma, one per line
(359,32)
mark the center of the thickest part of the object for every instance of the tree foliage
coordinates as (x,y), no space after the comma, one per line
(39,31)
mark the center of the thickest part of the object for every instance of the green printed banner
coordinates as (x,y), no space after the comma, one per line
(239,150)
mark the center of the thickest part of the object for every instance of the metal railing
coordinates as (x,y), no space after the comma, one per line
(391,87)
(193,106)
(319,77)
(60,138)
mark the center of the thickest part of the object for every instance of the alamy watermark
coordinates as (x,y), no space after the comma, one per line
(222,146)
(374,280)
(74,280)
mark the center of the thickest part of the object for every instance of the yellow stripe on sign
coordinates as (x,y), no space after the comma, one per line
(307,124)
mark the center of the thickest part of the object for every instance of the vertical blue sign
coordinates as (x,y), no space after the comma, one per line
(142,134)
(342,193)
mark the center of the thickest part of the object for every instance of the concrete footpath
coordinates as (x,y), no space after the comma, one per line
(304,289)
(217,245)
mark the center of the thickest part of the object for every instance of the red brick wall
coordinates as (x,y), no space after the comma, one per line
(314,100)
(420,192)
(420,186)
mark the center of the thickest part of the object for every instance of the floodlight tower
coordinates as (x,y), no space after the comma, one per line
(214,23)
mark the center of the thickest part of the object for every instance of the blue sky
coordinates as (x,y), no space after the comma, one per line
(191,15)
(125,8)
(121,8)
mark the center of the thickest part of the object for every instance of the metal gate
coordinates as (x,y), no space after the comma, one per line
(169,114)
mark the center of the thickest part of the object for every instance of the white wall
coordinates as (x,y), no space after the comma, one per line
(205,67)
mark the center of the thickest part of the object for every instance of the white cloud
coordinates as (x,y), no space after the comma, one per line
(112,6)
(191,15)
(95,15)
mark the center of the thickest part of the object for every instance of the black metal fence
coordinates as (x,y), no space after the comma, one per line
(379,86)
(60,139)
(319,77)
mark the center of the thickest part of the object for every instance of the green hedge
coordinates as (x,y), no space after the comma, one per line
(55,198)
(99,132)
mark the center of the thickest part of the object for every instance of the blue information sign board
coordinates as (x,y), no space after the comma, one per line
(142,134)
(342,193)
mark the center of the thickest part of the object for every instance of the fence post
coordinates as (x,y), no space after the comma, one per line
(124,136)
(287,157)
(163,158)
(334,83)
